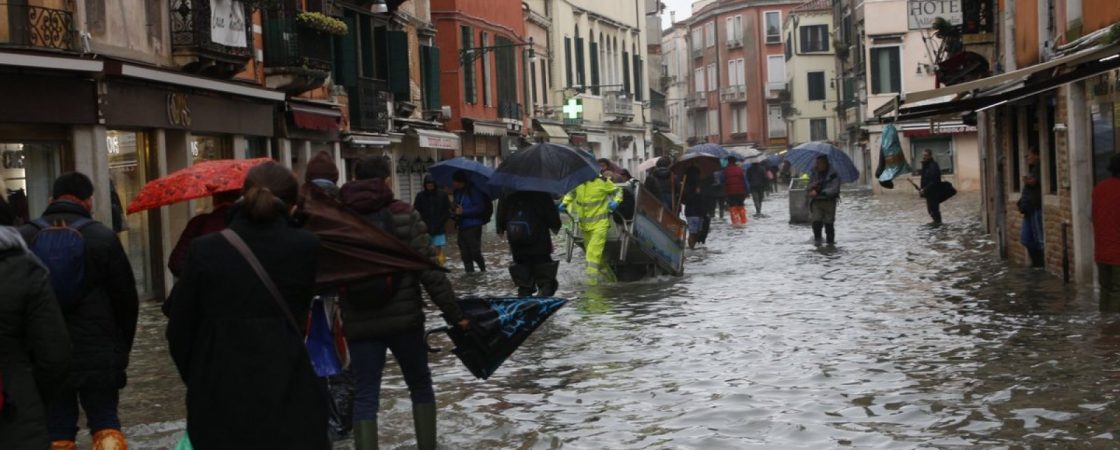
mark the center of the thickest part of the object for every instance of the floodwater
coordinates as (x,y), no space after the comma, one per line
(899,337)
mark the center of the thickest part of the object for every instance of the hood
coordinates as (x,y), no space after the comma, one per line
(661,172)
(367,196)
(10,239)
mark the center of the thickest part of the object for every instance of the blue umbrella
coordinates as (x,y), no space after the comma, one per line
(804,158)
(553,168)
(774,160)
(710,149)
(443,171)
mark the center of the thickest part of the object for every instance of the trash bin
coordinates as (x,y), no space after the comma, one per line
(798,203)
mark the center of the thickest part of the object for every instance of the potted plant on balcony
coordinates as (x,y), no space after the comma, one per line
(322,22)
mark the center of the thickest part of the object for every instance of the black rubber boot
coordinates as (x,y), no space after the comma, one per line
(424,419)
(545,277)
(830,233)
(817,226)
(522,275)
(1038,258)
(365,435)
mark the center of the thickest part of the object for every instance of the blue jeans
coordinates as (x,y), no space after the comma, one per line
(100,405)
(367,360)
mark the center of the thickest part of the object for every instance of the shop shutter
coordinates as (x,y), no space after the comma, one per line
(398,65)
(594,49)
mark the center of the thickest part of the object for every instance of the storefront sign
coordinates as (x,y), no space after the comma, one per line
(136,105)
(178,110)
(438,142)
(922,13)
(227,23)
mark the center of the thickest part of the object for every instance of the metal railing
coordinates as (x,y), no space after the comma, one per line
(509,110)
(697,53)
(287,44)
(735,43)
(734,94)
(697,100)
(190,30)
(618,104)
(38,27)
(370,105)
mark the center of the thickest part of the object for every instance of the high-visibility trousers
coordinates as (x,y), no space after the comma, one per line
(594,244)
(739,216)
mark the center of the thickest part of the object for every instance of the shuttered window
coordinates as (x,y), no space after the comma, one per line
(346,55)
(398,65)
(816,85)
(506,68)
(580,73)
(568,61)
(638,77)
(487,97)
(430,71)
(626,72)
(468,69)
(594,51)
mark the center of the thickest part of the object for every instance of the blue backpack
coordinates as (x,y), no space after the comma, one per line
(62,249)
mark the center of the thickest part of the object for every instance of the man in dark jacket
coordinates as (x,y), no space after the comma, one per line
(472,211)
(756,176)
(659,182)
(1030,205)
(102,323)
(823,194)
(435,209)
(34,345)
(931,177)
(528,220)
(389,314)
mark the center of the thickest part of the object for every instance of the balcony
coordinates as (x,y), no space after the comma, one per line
(735,43)
(510,110)
(733,94)
(697,53)
(618,105)
(35,27)
(296,58)
(775,90)
(698,100)
(370,106)
(192,39)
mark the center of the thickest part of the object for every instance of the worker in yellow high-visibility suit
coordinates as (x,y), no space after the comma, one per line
(592,204)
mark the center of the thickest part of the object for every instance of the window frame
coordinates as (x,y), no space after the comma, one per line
(710,34)
(713,77)
(871,76)
(766,36)
(802,45)
(713,125)
(771,123)
(813,128)
(809,86)
(700,76)
(739,119)
(770,63)
(487,70)
(919,144)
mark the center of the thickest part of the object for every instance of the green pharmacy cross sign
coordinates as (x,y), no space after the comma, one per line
(573,110)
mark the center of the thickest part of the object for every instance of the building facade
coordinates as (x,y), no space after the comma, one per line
(678,72)
(737,54)
(811,81)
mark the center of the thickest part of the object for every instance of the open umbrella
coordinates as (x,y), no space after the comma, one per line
(498,327)
(197,181)
(804,158)
(648,164)
(705,163)
(351,249)
(443,171)
(774,160)
(710,149)
(551,168)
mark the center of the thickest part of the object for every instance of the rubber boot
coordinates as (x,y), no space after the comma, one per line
(817,226)
(830,233)
(64,445)
(522,276)
(545,277)
(365,435)
(109,439)
(424,419)
(1038,258)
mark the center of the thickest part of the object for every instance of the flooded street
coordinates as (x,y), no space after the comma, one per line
(900,337)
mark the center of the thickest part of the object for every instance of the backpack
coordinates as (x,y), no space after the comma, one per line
(487,213)
(522,226)
(62,249)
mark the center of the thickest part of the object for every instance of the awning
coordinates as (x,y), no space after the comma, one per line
(191,81)
(368,140)
(50,62)
(554,133)
(490,129)
(919,129)
(673,139)
(439,140)
(316,118)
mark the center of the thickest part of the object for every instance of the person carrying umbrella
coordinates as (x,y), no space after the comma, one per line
(528,219)
(201,225)
(659,182)
(472,211)
(592,203)
(737,186)
(435,208)
(823,193)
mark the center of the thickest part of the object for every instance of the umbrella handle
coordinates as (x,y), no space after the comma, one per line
(431,332)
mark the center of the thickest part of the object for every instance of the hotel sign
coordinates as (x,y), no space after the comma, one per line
(921,13)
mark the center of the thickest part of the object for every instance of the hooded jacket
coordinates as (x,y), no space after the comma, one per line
(34,344)
(372,311)
(102,325)
(474,206)
(434,209)
(660,183)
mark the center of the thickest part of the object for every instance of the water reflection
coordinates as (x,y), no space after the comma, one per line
(901,336)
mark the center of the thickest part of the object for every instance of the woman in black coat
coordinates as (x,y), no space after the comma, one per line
(34,344)
(250,383)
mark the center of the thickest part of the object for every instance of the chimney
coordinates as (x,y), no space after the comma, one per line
(672,17)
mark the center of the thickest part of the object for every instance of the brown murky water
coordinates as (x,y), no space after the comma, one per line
(900,337)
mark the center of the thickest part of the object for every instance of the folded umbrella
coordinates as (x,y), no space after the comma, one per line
(351,249)
(197,181)
(498,327)
(804,158)
(552,168)
(443,171)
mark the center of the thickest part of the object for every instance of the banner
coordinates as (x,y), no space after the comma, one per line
(227,23)
(922,13)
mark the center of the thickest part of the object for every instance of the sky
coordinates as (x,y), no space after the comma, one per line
(682,7)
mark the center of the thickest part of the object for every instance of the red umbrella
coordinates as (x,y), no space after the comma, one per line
(200,180)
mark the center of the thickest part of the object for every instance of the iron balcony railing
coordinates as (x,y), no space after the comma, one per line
(697,100)
(370,106)
(190,31)
(287,44)
(38,27)
(734,94)
(697,53)
(735,42)
(509,110)
(618,104)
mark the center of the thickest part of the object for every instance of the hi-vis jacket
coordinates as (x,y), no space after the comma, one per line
(590,201)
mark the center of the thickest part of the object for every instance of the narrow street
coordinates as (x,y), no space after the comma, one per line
(900,337)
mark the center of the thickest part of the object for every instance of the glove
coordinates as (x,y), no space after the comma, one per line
(563,207)
(613,205)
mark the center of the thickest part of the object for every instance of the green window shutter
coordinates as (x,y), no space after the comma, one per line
(398,65)
(346,56)
(638,66)
(580,73)
(430,70)
(594,49)
(568,60)
(626,72)
(469,84)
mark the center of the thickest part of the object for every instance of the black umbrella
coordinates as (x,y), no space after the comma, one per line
(552,168)
(498,327)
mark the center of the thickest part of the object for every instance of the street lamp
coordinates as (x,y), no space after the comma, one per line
(470,55)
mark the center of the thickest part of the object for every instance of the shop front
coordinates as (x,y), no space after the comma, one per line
(420,148)
(483,141)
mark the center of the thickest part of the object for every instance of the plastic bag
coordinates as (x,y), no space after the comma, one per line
(321,346)
(184,443)
(341,402)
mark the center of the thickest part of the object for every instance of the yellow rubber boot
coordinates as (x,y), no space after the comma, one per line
(64,445)
(109,439)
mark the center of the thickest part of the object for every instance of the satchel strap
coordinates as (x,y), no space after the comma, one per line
(250,258)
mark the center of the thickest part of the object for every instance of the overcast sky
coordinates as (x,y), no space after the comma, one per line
(682,7)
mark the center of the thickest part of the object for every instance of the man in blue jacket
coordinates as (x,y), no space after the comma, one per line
(472,209)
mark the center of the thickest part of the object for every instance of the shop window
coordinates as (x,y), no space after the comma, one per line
(257,147)
(129,154)
(27,173)
(942,148)
(208,148)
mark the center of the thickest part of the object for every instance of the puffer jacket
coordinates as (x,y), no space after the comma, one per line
(34,345)
(102,325)
(367,312)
